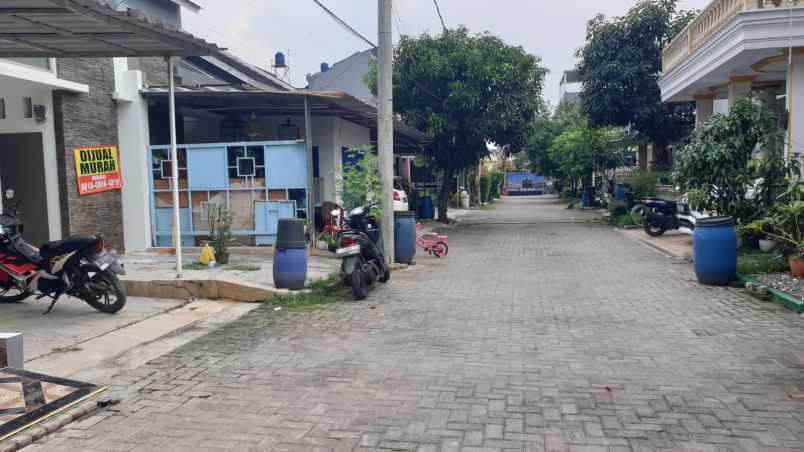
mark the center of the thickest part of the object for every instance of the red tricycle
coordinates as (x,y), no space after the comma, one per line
(433,243)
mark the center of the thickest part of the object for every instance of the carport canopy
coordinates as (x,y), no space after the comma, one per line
(86,28)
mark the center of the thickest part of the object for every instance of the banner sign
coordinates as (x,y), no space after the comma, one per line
(98,169)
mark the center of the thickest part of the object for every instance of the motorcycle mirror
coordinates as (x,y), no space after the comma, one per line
(10,193)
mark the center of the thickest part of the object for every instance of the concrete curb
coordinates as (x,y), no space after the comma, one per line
(35,433)
(783,298)
(211,289)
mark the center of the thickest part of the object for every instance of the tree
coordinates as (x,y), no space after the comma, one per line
(544,130)
(465,90)
(719,167)
(581,150)
(620,66)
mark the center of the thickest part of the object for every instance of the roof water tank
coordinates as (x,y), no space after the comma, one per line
(324,67)
(279,60)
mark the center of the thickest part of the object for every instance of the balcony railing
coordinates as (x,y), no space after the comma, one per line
(712,19)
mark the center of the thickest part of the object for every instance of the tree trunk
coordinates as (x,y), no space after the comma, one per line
(660,155)
(443,196)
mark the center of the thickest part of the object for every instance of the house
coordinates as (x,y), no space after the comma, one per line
(570,87)
(347,76)
(736,47)
(241,133)
(51,108)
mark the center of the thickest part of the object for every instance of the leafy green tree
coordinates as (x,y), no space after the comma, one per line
(465,90)
(720,166)
(620,66)
(360,182)
(581,150)
(544,130)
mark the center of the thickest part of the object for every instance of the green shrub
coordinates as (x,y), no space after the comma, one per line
(641,184)
(496,184)
(624,221)
(618,209)
(485,188)
(751,263)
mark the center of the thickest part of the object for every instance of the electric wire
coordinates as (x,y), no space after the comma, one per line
(438,10)
(343,24)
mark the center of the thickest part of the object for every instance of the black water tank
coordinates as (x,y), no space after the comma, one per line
(290,234)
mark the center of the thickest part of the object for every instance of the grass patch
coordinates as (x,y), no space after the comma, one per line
(754,262)
(72,348)
(319,292)
(228,267)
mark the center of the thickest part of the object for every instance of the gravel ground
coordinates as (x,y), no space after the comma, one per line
(784,282)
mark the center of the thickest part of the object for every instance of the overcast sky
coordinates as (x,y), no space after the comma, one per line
(256,29)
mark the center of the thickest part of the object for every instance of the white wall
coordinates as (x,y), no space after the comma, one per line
(133,142)
(13,90)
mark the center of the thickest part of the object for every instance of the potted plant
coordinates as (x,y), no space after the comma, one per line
(788,228)
(762,230)
(220,231)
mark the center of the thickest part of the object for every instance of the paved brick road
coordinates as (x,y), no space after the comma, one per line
(532,335)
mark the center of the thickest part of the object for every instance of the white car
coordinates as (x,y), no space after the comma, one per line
(400,198)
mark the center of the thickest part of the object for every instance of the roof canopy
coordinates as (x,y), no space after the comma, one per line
(85,28)
(223,99)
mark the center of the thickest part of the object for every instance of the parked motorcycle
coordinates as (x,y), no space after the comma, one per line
(78,266)
(661,215)
(361,248)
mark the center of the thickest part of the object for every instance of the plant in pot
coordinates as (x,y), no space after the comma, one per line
(761,230)
(788,228)
(220,231)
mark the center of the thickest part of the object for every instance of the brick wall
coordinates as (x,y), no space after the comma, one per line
(87,120)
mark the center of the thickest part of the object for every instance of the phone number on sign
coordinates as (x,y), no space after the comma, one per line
(100,184)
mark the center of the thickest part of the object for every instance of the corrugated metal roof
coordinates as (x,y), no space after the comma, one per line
(85,28)
(322,103)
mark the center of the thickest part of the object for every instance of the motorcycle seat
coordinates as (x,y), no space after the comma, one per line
(70,244)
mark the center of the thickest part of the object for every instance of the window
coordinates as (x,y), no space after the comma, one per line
(2,108)
(163,167)
(27,107)
(40,63)
(245,161)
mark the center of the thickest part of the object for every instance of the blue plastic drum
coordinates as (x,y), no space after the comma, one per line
(404,237)
(714,247)
(426,208)
(290,268)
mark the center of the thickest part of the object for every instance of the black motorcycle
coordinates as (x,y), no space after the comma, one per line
(661,215)
(78,266)
(361,248)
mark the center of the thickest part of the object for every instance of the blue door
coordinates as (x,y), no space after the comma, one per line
(266,219)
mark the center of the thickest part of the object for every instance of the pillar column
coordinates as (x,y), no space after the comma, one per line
(795,105)
(704,107)
(739,87)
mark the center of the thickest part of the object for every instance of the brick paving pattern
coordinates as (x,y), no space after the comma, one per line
(534,334)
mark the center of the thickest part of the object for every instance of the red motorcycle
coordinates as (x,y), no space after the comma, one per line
(78,266)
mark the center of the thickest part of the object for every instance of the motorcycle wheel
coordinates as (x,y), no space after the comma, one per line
(638,214)
(654,230)
(440,249)
(112,295)
(13,295)
(385,277)
(359,287)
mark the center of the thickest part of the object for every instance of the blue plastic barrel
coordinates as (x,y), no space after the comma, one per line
(290,255)
(404,237)
(714,247)
(619,192)
(426,208)
(290,268)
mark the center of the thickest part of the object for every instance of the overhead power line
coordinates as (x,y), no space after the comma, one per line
(344,24)
(438,10)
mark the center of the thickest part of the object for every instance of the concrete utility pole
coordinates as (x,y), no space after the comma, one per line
(385,124)
(174,157)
